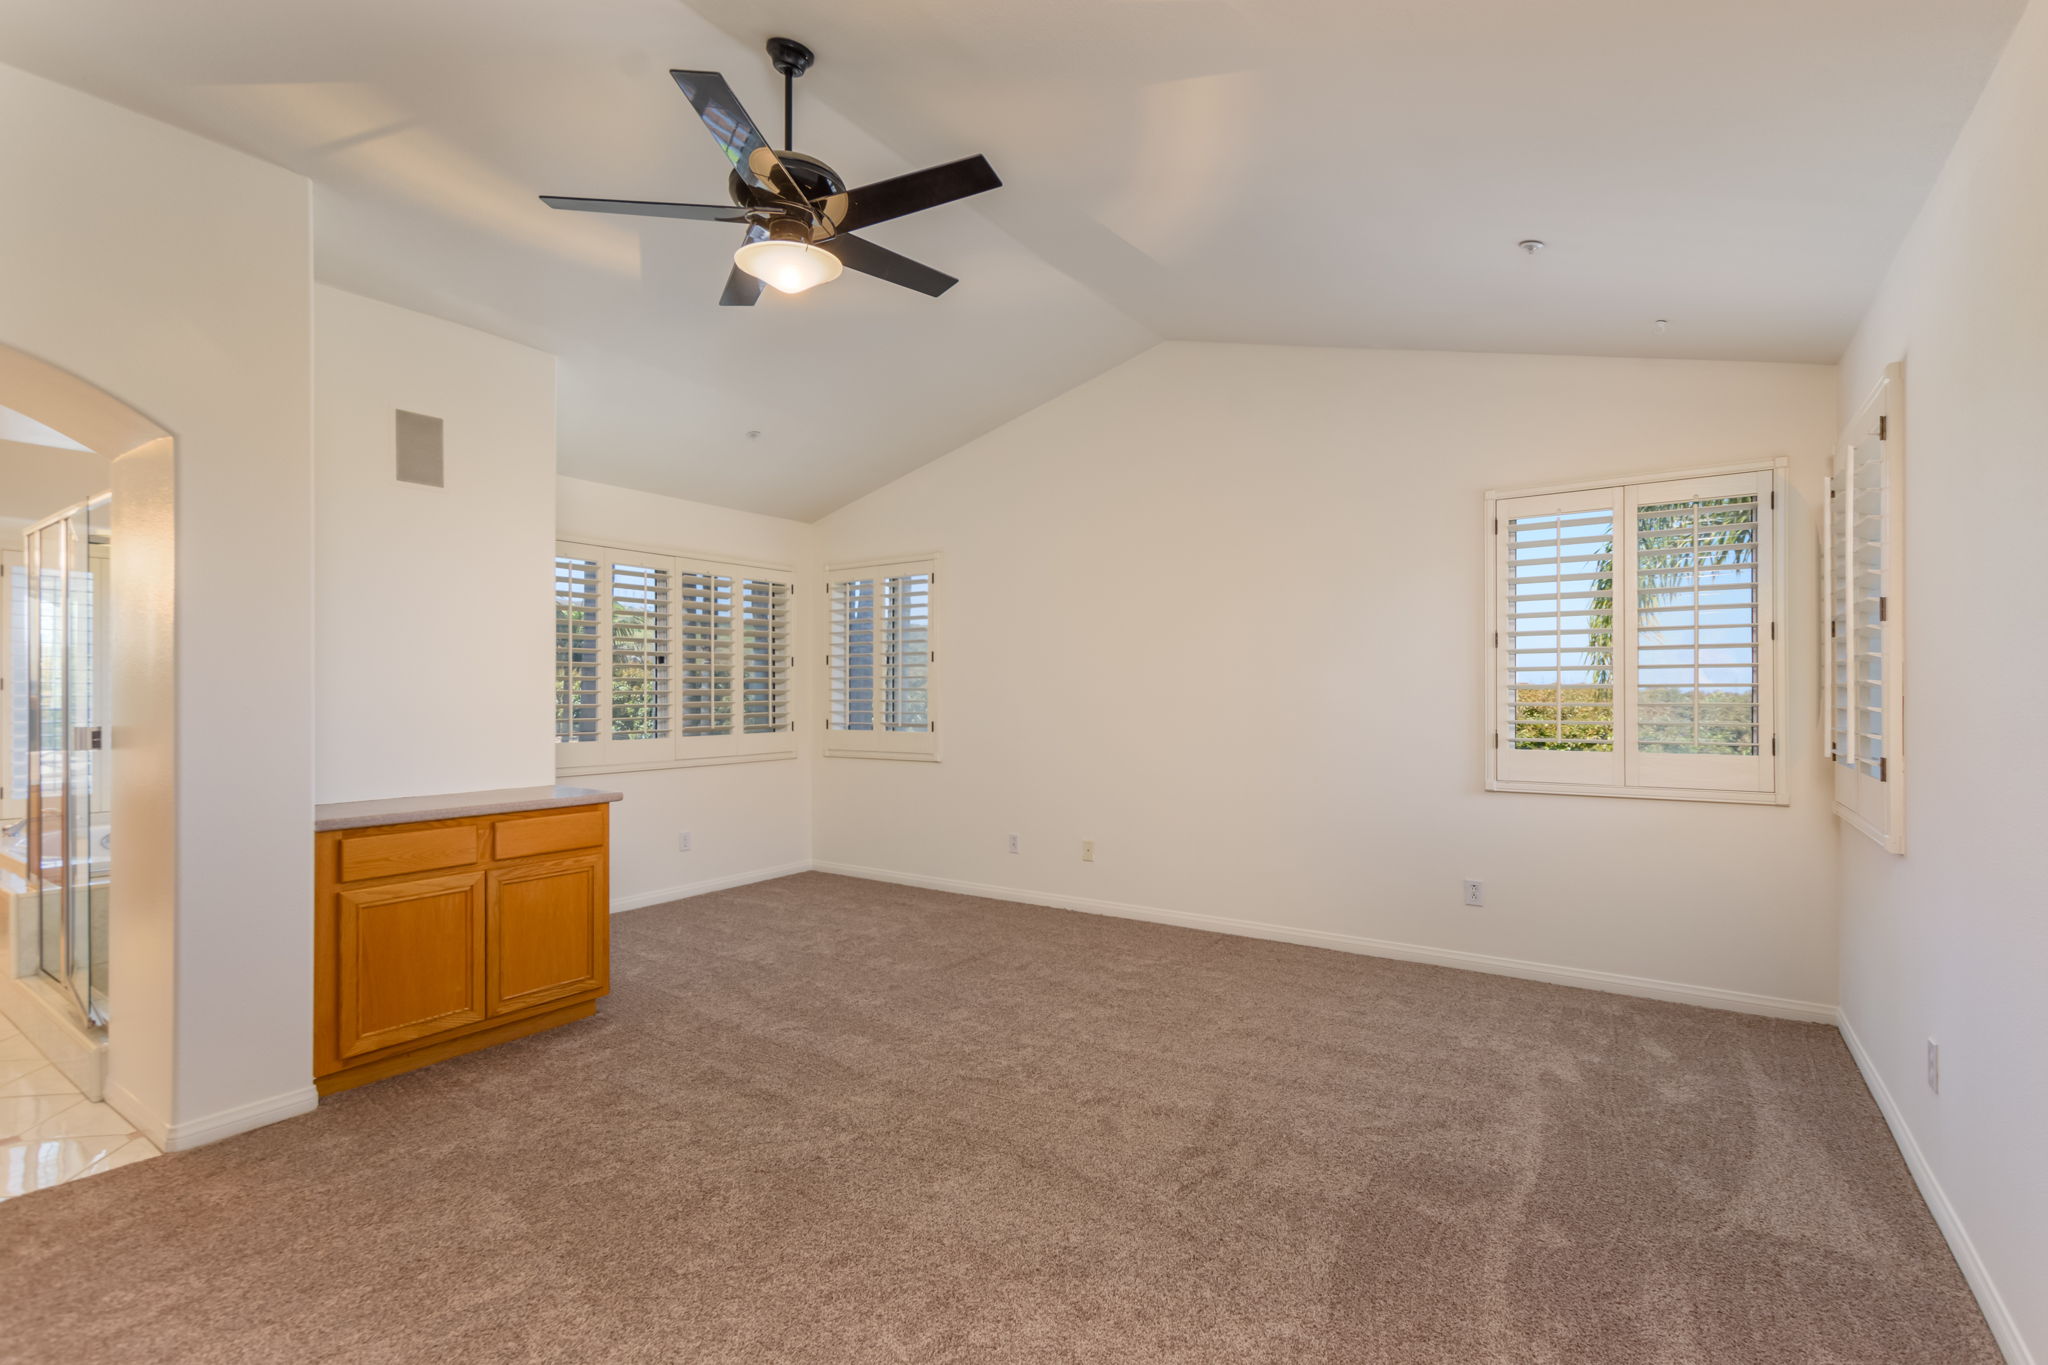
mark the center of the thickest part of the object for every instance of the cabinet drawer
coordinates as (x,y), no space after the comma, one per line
(391,853)
(528,835)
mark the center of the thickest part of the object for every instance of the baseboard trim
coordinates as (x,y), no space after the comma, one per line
(710,884)
(1711,997)
(179,1137)
(147,1121)
(1975,1273)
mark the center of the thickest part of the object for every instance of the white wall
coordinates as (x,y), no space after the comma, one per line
(1950,941)
(175,275)
(433,641)
(36,481)
(1302,748)
(746,820)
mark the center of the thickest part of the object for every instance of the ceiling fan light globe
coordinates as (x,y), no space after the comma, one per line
(790,267)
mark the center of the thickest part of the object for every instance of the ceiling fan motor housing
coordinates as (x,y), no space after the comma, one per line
(812,176)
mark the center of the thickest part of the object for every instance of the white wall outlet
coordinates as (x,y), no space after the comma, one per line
(683,842)
(1013,845)
(1087,850)
(1475,893)
(1934,1066)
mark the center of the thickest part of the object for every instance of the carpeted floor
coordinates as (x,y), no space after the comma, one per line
(833,1121)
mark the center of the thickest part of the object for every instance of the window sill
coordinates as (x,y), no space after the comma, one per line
(656,765)
(899,755)
(1890,843)
(1736,798)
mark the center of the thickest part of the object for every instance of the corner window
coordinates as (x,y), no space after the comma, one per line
(1866,613)
(667,660)
(882,659)
(1634,639)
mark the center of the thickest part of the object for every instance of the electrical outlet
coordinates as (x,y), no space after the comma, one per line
(1475,893)
(1013,845)
(1934,1066)
(683,842)
(1087,850)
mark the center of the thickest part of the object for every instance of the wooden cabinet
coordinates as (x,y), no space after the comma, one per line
(409,961)
(439,937)
(544,942)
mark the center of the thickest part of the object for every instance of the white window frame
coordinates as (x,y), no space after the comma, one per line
(912,746)
(1624,772)
(1875,806)
(677,750)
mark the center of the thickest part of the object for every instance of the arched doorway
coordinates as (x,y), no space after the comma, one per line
(87,851)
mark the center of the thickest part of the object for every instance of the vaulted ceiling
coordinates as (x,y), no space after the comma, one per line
(1321,172)
(1358,172)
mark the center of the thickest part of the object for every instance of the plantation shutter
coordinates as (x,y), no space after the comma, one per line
(577,642)
(1633,639)
(765,657)
(704,653)
(1867,605)
(663,660)
(1863,661)
(1700,716)
(1841,732)
(642,692)
(1556,719)
(881,659)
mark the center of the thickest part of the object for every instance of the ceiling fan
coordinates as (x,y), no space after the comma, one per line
(799,215)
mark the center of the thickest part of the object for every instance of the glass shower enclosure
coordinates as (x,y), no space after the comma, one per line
(62,844)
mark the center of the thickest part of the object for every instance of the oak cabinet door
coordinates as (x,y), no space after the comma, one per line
(410,961)
(549,931)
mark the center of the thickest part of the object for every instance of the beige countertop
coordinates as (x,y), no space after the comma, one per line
(406,810)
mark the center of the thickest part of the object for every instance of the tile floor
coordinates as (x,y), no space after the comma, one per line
(49,1133)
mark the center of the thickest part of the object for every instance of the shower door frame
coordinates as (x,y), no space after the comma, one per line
(74,889)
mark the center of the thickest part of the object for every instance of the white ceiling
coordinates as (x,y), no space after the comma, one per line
(1358,172)
(26,430)
(430,126)
(1328,172)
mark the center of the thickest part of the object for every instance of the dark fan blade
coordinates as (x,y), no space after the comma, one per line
(886,199)
(859,254)
(741,289)
(707,213)
(737,136)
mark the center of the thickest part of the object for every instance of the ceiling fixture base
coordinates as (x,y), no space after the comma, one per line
(790,57)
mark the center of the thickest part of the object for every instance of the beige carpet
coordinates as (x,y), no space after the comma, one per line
(833,1121)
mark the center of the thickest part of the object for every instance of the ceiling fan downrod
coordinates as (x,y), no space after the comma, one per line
(792,59)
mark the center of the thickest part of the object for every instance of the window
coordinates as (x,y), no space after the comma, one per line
(1633,639)
(1865,704)
(13,692)
(882,659)
(665,659)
